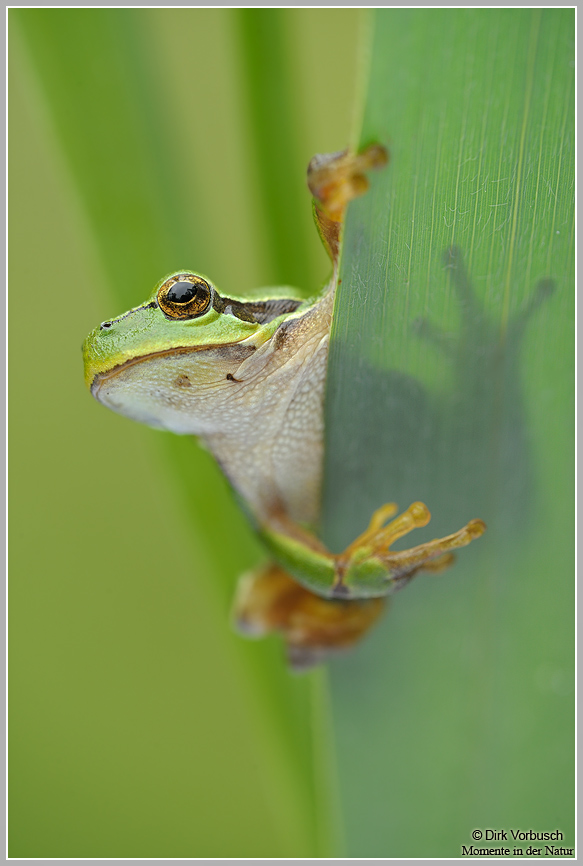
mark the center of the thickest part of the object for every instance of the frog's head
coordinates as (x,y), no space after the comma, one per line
(160,362)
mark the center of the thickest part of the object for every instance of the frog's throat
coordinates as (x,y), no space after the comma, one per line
(100,378)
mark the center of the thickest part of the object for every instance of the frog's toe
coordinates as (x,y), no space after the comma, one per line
(439,564)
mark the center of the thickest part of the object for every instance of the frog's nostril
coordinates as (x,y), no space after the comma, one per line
(105,325)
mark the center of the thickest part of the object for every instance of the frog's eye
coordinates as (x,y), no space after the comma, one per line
(184,296)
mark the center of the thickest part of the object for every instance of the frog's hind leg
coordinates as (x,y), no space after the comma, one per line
(334,180)
(313,628)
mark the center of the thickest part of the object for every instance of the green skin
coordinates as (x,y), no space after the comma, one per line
(251,386)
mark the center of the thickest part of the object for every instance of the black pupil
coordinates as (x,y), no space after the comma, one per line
(181,293)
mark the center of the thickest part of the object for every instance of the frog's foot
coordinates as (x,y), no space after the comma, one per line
(268,600)
(369,567)
(334,180)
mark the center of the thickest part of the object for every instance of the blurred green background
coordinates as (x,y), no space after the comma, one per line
(142,141)
(141,726)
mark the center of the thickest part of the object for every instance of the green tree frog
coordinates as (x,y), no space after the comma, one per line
(247,377)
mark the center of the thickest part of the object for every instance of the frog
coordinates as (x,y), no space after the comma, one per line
(247,377)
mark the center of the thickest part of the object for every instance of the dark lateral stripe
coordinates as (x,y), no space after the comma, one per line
(255,311)
(248,311)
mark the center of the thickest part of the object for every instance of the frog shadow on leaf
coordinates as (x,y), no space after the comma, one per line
(466,451)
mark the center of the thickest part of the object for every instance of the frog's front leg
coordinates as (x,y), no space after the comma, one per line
(368,568)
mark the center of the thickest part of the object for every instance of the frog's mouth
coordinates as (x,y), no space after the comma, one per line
(234,352)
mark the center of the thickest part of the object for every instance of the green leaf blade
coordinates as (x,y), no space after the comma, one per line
(456,391)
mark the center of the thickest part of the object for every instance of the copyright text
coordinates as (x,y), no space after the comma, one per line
(525,836)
